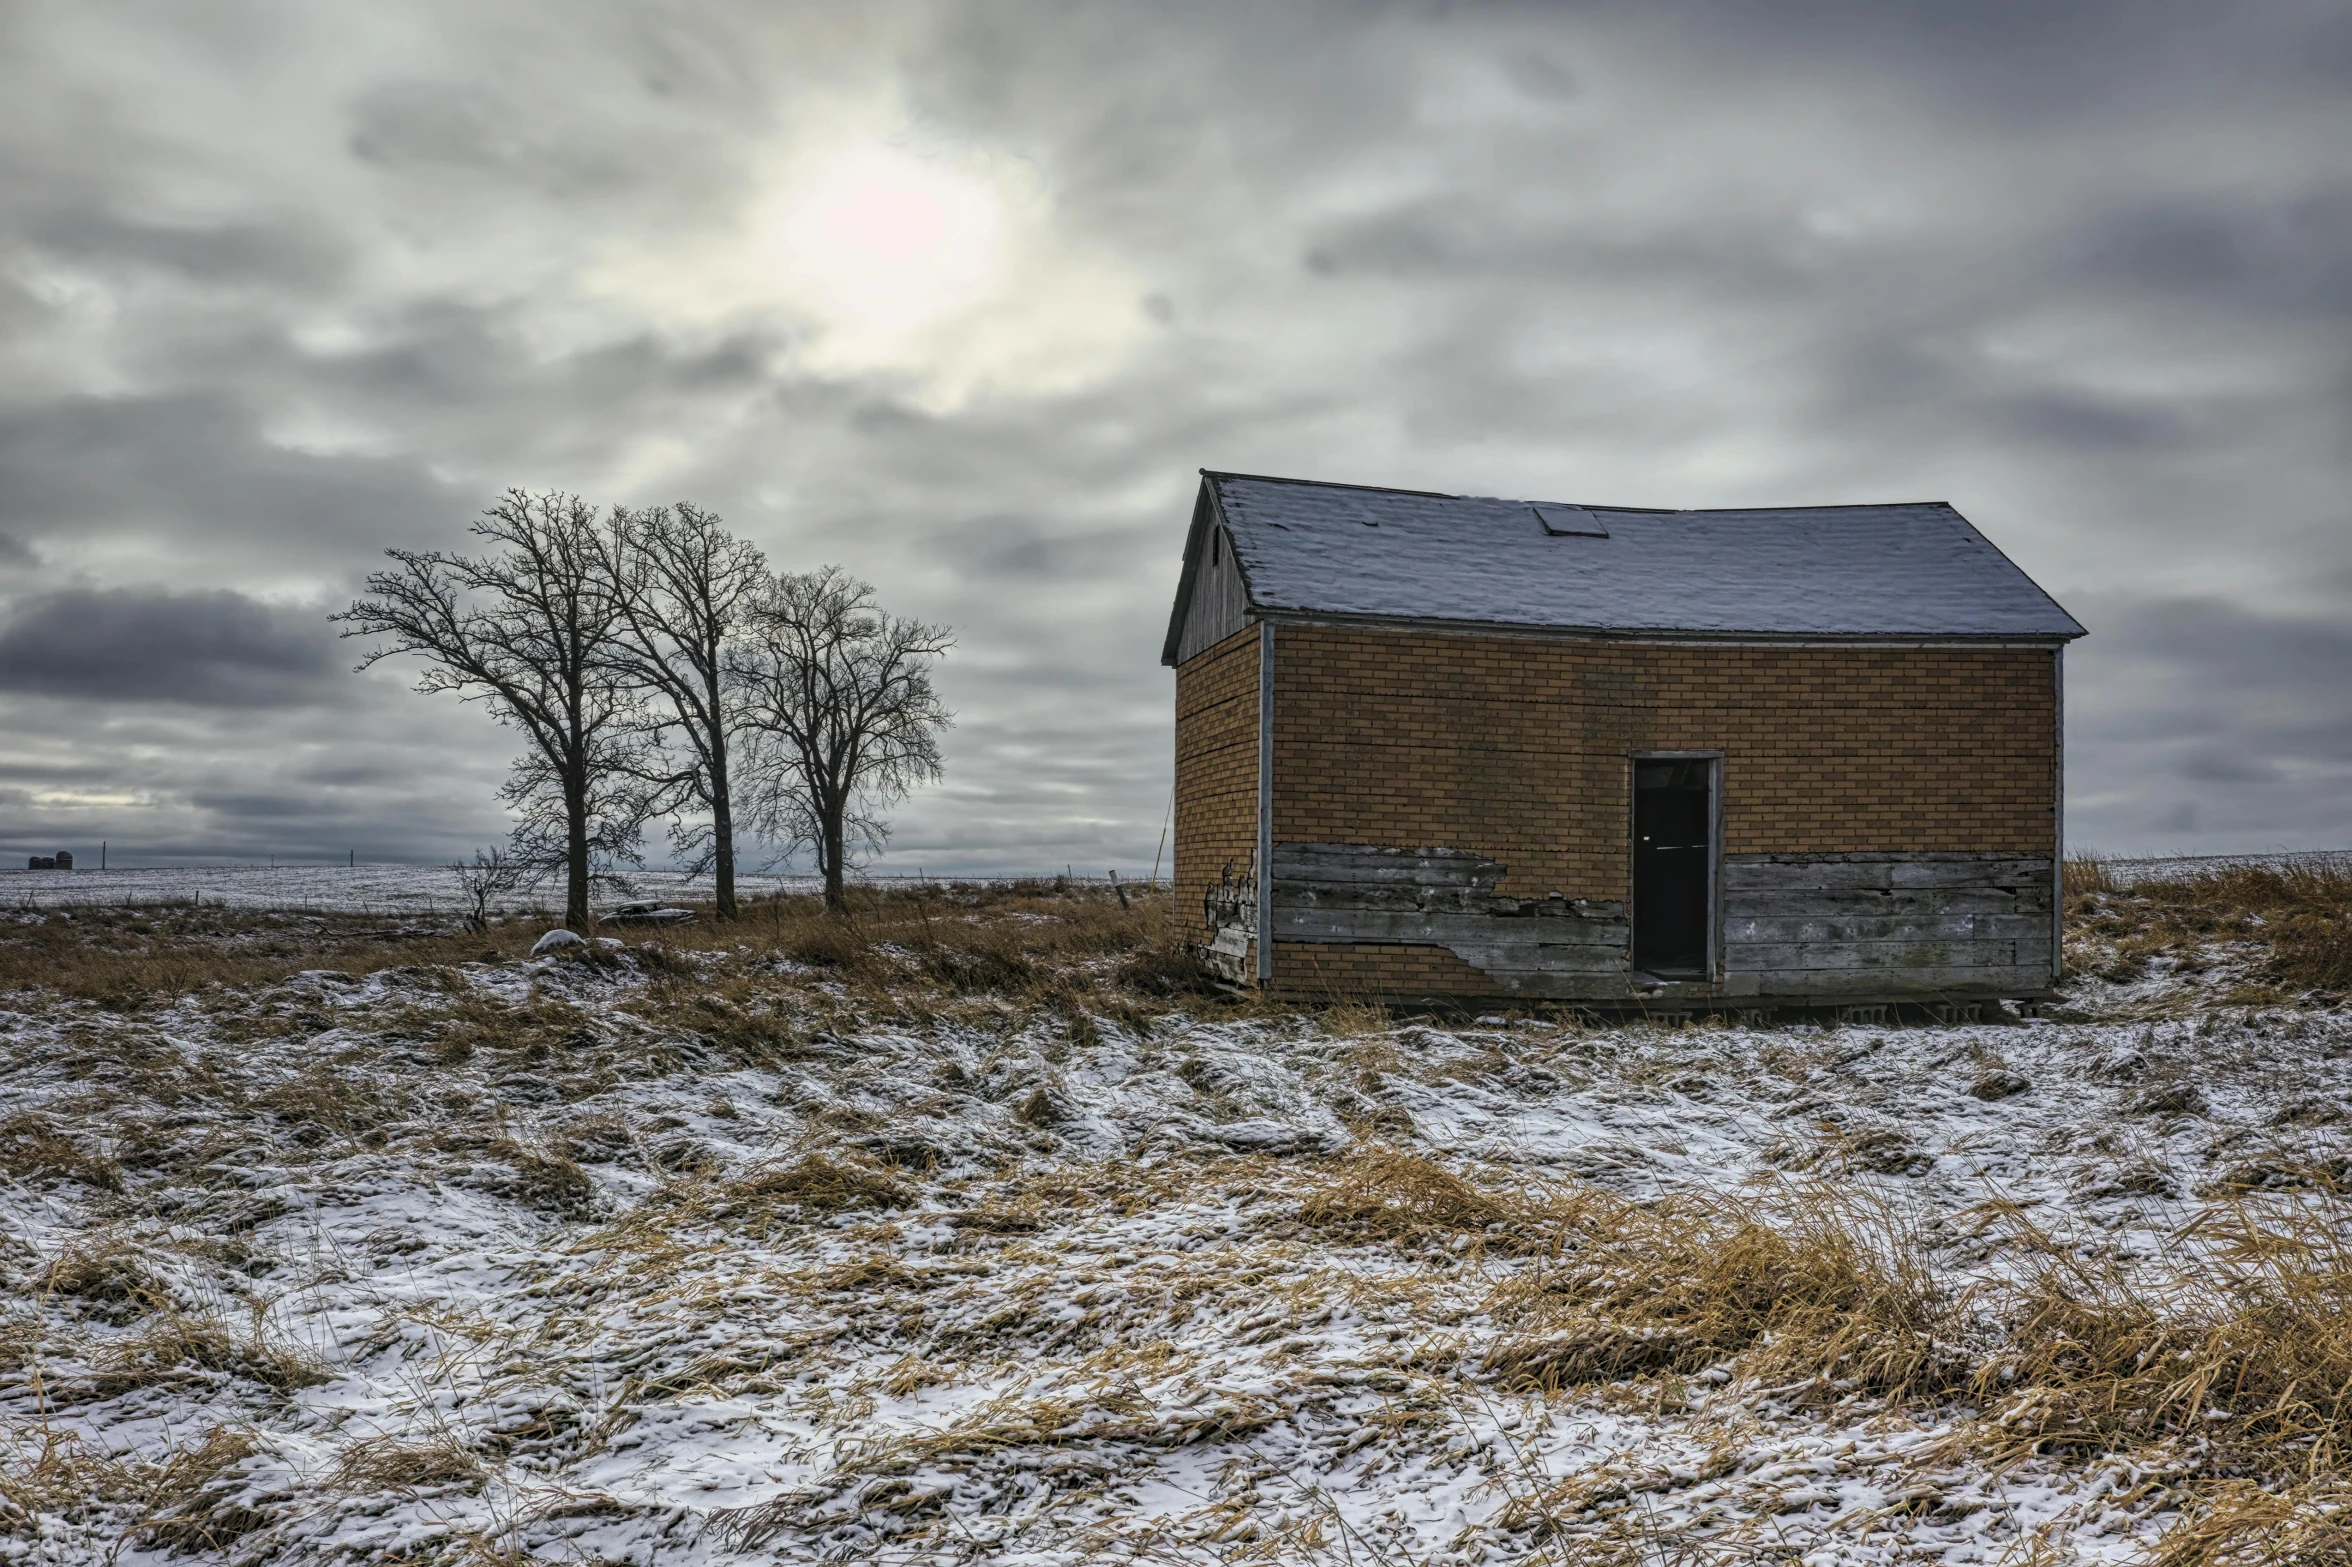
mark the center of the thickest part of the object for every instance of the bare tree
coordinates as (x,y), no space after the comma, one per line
(493,875)
(529,629)
(683,586)
(838,699)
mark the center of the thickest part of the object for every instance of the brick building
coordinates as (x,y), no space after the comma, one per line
(1445,746)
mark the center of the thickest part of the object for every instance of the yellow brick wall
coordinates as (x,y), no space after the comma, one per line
(1216,769)
(1518,749)
(1341,971)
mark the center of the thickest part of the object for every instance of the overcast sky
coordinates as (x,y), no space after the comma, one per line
(960,296)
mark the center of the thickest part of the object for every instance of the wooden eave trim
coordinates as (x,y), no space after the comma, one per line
(1482,628)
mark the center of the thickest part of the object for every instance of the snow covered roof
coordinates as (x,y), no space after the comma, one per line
(1908,570)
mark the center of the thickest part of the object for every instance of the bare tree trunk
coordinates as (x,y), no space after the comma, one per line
(576,854)
(723,838)
(684,588)
(836,899)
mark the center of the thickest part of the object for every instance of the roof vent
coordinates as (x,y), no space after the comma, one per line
(1566,521)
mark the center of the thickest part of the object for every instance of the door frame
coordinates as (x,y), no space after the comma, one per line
(1714,759)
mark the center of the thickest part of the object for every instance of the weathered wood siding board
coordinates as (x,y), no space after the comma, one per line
(1922,927)
(1890,924)
(1438,897)
(1458,931)
(1885,926)
(1889,902)
(1220,602)
(1919,957)
(1788,873)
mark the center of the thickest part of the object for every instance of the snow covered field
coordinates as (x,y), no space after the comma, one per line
(933,1251)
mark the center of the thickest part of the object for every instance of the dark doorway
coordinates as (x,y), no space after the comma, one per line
(1673,863)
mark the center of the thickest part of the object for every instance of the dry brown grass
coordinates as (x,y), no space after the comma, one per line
(2300,911)
(764,1201)
(173,1347)
(377,1465)
(34,1147)
(1014,939)
(2243,1523)
(2087,874)
(130,957)
(2240,1351)
(106,1277)
(1384,1194)
(1829,1290)
(177,1502)
(2226,1365)
(546,1178)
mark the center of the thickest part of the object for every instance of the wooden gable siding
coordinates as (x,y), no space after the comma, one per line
(1220,602)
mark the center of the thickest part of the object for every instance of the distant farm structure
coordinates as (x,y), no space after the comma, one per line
(62,860)
(1435,746)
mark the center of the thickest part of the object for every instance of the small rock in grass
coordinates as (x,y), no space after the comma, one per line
(2001,1084)
(557,941)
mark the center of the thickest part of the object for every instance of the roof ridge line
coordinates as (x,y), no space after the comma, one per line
(1338,484)
(1512,500)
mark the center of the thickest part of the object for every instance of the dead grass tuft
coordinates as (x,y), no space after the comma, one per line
(107,1278)
(2243,1351)
(179,1501)
(811,1185)
(188,1509)
(33,1146)
(1834,1292)
(174,1346)
(383,1464)
(548,1179)
(1385,1194)
(2242,1523)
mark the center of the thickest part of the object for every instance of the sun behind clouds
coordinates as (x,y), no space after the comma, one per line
(884,242)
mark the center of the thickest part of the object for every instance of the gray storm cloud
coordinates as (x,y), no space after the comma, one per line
(960,297)
(215,648)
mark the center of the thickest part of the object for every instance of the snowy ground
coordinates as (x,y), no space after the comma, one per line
(681,1259)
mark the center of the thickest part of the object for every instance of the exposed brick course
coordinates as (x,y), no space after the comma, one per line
(1330,970)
